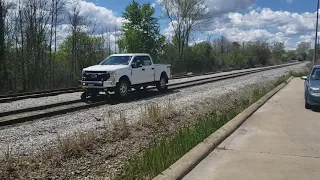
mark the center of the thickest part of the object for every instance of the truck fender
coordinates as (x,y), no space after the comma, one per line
(125,78)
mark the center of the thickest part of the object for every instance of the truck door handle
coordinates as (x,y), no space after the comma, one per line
(143,69)
(152,68)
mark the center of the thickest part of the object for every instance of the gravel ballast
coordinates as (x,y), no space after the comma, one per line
(32,137)
(34,102)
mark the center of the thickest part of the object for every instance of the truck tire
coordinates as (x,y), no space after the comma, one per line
(122,88)
(84,96)
(162,84)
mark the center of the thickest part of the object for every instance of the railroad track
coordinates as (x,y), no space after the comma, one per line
(29,114)
(54,92)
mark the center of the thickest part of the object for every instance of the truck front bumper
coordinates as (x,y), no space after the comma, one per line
(98,84)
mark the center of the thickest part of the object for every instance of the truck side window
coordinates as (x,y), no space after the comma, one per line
(146,61)
(137,62)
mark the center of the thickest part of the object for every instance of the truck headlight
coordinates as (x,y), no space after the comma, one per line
(313,90)
(113,76)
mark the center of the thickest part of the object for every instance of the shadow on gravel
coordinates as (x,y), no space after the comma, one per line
(133,96)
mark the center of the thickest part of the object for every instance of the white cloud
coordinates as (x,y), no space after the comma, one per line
(98,17)
(284,21)
(236,34)
(169,31)
(99,14)
(153,5)
(219,7)
(266,24)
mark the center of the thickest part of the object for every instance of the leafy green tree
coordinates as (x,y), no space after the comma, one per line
(89,51)
(278,50)
(201,60)
(303,49)
(291,54)
(141,31)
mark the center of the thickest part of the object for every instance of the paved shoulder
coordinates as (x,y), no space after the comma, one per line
(280,141)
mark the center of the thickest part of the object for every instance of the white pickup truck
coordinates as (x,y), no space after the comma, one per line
(120,73)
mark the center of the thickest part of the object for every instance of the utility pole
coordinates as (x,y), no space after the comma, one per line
(315,44)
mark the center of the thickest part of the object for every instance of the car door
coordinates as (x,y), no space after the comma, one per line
(148,68)
(138,71)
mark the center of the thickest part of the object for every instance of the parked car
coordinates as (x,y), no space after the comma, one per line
(312,87)
(120,73)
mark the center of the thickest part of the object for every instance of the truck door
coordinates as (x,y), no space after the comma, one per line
(138,71)
(148,68)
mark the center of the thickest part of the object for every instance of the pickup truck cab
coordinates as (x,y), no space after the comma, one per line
(120,73)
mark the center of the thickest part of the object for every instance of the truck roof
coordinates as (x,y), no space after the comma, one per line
(131,54)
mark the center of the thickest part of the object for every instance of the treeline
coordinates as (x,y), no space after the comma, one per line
(33,58)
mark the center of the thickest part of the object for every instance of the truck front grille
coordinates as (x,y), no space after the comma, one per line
(96,76)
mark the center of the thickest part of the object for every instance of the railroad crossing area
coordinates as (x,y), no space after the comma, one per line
(279,141)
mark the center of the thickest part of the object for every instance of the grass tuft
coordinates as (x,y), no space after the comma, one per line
(120,127)
(10,166)
(76,145)
(154,114)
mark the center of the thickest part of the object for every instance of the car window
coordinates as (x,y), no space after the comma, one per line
(146,61)
(137,61)
(315,74)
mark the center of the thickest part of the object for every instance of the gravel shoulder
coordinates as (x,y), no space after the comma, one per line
(32,137)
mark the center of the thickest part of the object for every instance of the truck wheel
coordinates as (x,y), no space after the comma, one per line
(162,84)
(83,96)
(122,89)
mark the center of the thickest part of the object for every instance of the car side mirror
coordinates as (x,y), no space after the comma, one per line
(304,78)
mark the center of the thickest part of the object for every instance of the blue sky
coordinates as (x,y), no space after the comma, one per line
(288,21)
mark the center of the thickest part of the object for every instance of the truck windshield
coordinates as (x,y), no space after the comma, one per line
(116,60)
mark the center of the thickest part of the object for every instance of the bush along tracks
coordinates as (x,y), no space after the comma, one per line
(124,151)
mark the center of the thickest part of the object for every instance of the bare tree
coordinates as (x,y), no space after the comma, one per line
(76,21)
(4,32)
(184,15)
(3,70)
(57,6)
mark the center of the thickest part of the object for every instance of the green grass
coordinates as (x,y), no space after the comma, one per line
(299,74)
(305,72)
(164,152)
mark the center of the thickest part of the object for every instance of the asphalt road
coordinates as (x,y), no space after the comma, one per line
(280,141)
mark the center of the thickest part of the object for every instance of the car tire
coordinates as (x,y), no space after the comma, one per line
(162,84)
(122,89)
(307,105)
